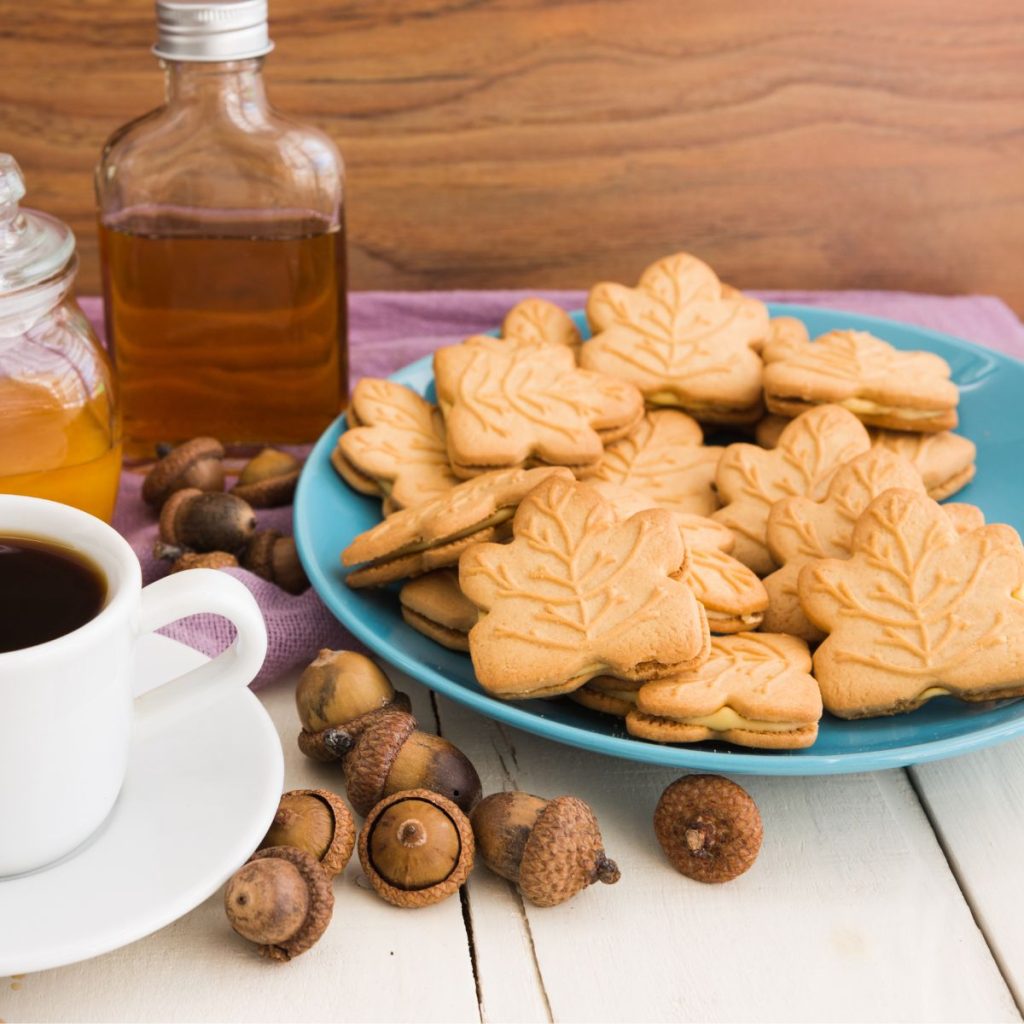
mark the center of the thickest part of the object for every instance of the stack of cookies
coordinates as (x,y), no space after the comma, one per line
(559,516)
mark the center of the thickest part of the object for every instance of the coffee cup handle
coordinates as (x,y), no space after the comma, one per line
(192,593)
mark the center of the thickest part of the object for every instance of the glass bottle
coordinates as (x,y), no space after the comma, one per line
(222,241)
(60,428)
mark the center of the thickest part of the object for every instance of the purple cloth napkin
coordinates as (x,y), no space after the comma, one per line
(390,329)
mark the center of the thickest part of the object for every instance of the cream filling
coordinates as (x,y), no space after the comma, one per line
(862,405)
(629,696)
(933,691)
(502,515)
(747,620)
(725,718)
(673,399)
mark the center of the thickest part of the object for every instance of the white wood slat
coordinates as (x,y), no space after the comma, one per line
(375,962)
(850,913)
(976,805)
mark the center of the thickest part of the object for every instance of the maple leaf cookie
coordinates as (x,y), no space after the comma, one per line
(579,593)
(435,606)
(734,599)
(608,695)
(755,690)
(751,479)
(881,385)
(917,611)
(801,529)
(394,446)
(945,460)
(681,340)
(533,322)
(432,534)
(665,459)
(519,405)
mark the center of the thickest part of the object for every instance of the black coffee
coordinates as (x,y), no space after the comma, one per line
(45,592)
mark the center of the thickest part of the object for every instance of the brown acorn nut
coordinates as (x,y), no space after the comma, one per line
(317,821)
(391,755)
(274,557)
(197,463)
(282,900)
(195,521)
(416,848)
(204,560)
(268,479)
(341,689)
(709,827)
(551,849)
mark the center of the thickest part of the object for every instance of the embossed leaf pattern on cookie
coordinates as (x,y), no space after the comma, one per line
(469,505)
(539,322)
(676,334)
(578,594)
(800,528)
(399,441)
(846,365)
(726,588)
(917,606)
(750,479)
(665,460)
(509,407)
(763,676)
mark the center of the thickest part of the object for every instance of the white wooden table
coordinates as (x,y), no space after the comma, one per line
(893,896)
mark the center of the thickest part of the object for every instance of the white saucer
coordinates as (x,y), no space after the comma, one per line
(196,802)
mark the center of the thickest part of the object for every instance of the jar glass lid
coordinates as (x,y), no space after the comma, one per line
(33,245)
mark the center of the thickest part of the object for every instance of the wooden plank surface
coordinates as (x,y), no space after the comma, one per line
(976,805)
(858,143)
(850,913)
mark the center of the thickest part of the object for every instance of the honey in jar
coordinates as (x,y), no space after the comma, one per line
(59,420)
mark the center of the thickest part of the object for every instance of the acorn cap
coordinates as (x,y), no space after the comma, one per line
(709,827)
(320,899)
(368,762)
(421,897)
(268,479)
(330,836)
(564,854)
(335,742)
(196,463)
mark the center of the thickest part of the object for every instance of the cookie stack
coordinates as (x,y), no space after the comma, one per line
(559,516)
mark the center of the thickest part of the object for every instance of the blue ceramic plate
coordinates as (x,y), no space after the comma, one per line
(328,514)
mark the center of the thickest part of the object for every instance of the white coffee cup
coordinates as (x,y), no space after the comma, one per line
(67,710)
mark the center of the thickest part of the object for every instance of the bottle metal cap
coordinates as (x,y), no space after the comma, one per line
(202,30)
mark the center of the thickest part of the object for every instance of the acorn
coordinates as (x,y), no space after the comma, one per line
(551,849)
(274,557)
(416,848)
(192,520)
(390,755)
(281,899)
(341,689)
(316,821)
(709,827)
(268,479)
(204,560)
(195,464)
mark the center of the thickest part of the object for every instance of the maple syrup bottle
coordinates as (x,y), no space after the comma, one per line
(222,240)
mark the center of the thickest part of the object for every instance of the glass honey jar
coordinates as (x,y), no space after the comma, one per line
(60,427)
(222,241)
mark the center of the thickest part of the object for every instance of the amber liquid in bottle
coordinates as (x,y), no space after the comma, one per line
(239,332)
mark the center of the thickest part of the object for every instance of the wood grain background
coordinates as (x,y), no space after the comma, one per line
(792,143)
